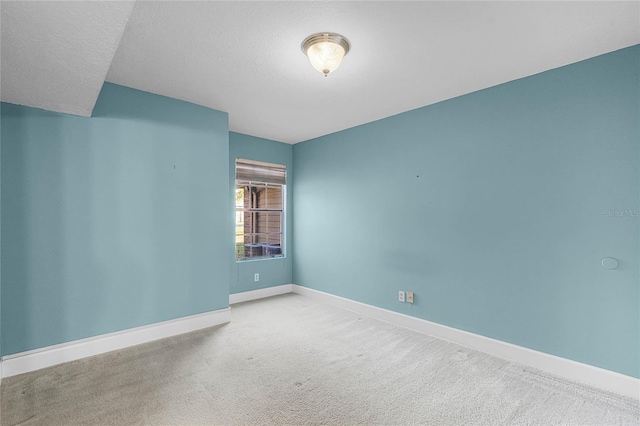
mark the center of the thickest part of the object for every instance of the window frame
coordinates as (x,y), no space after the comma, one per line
(243,210)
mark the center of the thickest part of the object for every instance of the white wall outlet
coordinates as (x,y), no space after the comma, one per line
(410,296)
(256,277)
(401,296)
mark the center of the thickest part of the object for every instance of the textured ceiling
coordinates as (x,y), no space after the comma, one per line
(55,55)
(244,57)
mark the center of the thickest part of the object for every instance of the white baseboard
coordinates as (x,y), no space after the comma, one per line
(566,368)
(11,365)
(260,293)
(25,362)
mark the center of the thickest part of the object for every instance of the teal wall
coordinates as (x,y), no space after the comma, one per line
(113,221)
(272,272)
(0,236)
(495,208)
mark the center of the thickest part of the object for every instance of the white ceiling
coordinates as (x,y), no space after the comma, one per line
(244,57)
(55,55)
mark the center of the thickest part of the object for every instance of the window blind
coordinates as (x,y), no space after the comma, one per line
(257,171)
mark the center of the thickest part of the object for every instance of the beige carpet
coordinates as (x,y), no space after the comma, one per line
(293,360)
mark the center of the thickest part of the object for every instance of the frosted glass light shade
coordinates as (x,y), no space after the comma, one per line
(325,56)
(325,51)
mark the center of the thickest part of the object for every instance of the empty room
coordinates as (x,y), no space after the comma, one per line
(319,212)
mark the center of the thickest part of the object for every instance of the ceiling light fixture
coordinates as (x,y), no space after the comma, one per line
(325,51)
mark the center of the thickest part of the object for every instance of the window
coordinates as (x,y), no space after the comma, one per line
(260,192)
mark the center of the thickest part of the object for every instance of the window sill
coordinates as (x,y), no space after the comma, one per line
(257,259)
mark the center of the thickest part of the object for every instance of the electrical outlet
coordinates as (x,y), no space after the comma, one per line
(401,296)
(410,296)
(256,277)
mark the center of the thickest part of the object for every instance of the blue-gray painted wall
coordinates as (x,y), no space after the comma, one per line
(0,231)
(495,208)
(113,221)
(272,272)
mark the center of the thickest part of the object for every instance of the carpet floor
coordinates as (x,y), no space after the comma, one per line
(293,360)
